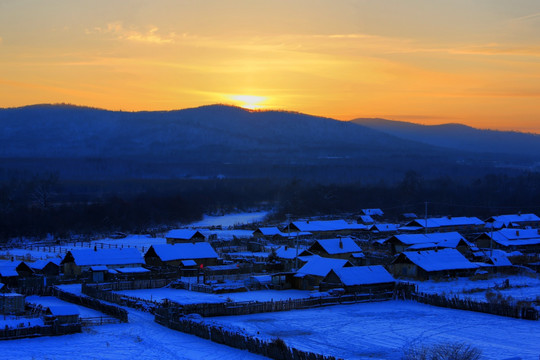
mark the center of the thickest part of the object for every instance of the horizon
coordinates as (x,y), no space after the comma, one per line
(391,60)
(271,110)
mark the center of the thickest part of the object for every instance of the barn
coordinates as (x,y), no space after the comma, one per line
(184,236)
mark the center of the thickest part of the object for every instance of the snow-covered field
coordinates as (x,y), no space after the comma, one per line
(45,301)
(521,287)
(192,297)
(382,330)
(141,338)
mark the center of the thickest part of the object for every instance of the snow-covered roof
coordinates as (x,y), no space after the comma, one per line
(185,251)
(514,218)
(363,275)
(269,231)
(366,219)
(9,268)
(321,266)
(372,212)
(63,310)
(99,268)
(447,221)
(40,264)
(132,270)
(515,237)
(287,252)
(384,227)
(339,246)
(499,258)
(184,234)
(326,225)
(447,239)
(189,263)
(89,257)
(438,260)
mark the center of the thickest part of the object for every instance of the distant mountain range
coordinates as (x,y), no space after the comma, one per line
(458,136)
(219,140)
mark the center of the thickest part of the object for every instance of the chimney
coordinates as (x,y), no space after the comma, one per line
(517,232)
(340,243)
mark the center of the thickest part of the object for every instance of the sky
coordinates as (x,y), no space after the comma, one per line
(425,61)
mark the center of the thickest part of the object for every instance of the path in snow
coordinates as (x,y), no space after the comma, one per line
(141,338)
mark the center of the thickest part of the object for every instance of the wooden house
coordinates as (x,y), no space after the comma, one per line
(315,270)
(79,261)
(325,228)
(48,267)
(446,223)
(12,271)
(523,240)
(62,314)
(431,264)
(404,242)
(172,255)
(359,279)
(513,221)
(184,236)
(339,248)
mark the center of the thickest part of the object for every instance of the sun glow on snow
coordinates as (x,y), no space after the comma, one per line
(250,102)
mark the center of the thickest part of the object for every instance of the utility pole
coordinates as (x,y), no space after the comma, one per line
(425,217)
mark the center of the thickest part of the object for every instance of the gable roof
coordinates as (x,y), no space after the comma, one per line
(366,219)
(384,227)
(321,266)
(184,251)
(185,234)
(515,237)
(363,275)
(326,225)
(446,221)
(514,218)
(63,310)
(269,231)
(449,239)
(437,260)
(40,264)
(338,246)
(89,257)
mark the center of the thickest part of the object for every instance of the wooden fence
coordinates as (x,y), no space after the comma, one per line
(92,303)
(274,349)
(519,312)
(253,307)
(35,331)
(99,320)
(105,292)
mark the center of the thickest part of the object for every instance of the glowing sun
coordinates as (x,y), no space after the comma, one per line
(250,102)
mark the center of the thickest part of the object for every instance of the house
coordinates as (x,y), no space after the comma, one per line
(431,264)
(446,223)
(359,279)
(315,270)
(79,261)
(323,228)
(12,271)
(172,255)
(184,236)
(62,314)
(48,267)
(291,257)
(339,248)
(404,242)
(524,240)
(513,220)
(379,228)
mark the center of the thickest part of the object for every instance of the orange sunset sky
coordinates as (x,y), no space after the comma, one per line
(475,62)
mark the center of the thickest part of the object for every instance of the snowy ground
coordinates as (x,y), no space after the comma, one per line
(192,297)
(522,287)
(141,338)
(382,330)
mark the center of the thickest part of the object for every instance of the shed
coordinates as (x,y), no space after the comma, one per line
(11,303)
(63,314)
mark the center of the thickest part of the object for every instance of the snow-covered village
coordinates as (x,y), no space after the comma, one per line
(235,286)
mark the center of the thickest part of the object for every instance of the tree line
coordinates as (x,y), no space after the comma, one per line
(44,204)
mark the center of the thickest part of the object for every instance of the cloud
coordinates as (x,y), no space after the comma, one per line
(151,36)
